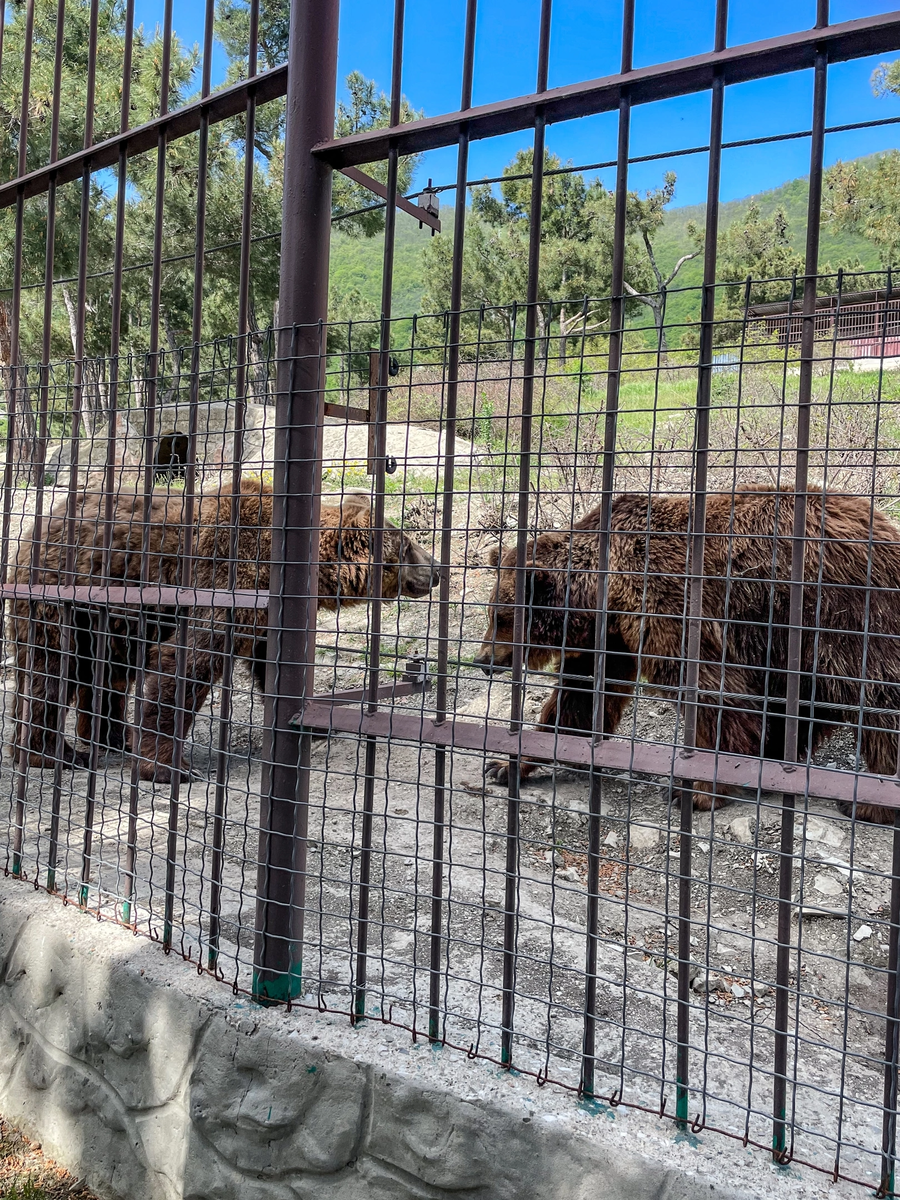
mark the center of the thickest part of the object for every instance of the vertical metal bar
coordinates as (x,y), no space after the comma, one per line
(517,690)
(780,1149)
(109,485)
(303,301)
(697,544)
(43,421)
(18,832)
(115,373)
(377,560)
(68,621)
(892,1030)
(217,862)
(443,648)
(610,435)
(152,367)
(15,316)
(41,454)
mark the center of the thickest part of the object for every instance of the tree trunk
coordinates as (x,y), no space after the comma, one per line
(25,428)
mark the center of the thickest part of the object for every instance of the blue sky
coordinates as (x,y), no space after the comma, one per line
(585,45)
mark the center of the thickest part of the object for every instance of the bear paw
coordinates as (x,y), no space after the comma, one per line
(76,759)
(160,772)
(706,798)
(497,770)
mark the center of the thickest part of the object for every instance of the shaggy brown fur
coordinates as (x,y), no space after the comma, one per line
(744,633)
(344,578)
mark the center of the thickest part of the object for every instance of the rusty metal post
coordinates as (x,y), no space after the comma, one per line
(303,304)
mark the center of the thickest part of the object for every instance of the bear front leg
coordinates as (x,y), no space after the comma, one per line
(39,713)
(113,704)
(570,707)
(728,720)
(156,742)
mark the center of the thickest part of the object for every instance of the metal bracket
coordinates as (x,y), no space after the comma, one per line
(424,214)
(415,680)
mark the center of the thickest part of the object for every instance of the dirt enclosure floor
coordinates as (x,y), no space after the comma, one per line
(841,888)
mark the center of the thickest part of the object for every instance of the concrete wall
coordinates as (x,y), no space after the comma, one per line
(153,1082)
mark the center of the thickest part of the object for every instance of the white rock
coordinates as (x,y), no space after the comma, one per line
(738,992)
(742,830)
(864,932)
(570,874)
(643,837)
(825,833)
(760,988)
(611,839)
(827,885)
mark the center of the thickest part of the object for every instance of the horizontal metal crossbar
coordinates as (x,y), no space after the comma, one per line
(219,106)
(167,597)
(615,753)
(662,81)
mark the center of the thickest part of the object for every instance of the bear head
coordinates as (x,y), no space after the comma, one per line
(346,547)
(558,607)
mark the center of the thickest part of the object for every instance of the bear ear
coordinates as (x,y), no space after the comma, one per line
(356,500)
(494,556)
(355,509)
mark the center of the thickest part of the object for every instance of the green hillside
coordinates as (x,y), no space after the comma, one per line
(672,241)
(357,262)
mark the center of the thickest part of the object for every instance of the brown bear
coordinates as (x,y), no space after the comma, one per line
(850,660)
(344,578)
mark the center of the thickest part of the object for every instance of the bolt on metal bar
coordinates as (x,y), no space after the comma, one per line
(373,671)
(443,647)
(781,1149)
(607,485)
(303,305)
(379,189)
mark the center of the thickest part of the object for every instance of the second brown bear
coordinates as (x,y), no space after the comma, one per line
(850,659)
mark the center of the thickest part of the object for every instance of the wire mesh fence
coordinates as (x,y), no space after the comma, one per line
(523,674)
(520,893)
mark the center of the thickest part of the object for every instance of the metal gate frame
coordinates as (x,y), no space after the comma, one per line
(813,49)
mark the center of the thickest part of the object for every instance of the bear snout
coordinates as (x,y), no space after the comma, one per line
(419,572)
(487,660)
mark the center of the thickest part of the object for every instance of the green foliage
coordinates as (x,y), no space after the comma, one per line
(26,1190)
(646,216)
(886,79)
(758,247)
(864,197)
(223,177)
(577,221)
(367,108)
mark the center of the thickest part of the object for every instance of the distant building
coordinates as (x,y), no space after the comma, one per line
(859,324)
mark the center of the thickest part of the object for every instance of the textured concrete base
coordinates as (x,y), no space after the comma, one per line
(153,1082)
